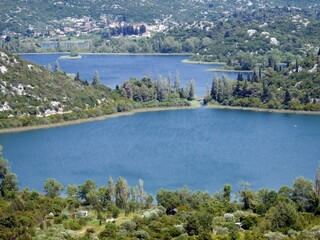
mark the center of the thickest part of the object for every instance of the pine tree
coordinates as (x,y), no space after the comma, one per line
(96,80)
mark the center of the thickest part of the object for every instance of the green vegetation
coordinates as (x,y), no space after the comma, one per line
(294,88)
(33,95)
(244,36)
(118,211)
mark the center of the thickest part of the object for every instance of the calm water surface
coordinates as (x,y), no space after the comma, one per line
(115,69)
(201,148)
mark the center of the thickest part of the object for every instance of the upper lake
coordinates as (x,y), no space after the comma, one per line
(201,148)
(115,69)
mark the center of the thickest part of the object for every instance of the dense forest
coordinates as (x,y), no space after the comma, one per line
(118,211)
(294,88)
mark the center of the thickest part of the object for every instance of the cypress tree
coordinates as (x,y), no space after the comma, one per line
(297,66)
(255,77)
(248,78)
(260,73)
(96,80)
(77,77)
(57,67)
(287,97)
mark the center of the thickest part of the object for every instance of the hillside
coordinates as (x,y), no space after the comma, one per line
(18,15)
(34,95)
(31,95)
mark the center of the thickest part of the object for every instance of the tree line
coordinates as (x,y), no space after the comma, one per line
(290,212)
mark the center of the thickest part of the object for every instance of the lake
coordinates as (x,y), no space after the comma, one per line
(115,69)
(201,148)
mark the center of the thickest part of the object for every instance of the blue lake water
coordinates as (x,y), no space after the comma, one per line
(201,148)
(115,69)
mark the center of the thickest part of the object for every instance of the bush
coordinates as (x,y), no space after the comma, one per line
(57,220)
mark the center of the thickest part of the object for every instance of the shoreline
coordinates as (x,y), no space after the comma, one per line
(100,118)
(124,54)
(282,111)
(229,70)
(201,62)
(69,57)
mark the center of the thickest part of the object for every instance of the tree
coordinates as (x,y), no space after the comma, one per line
(111,187)
(283,216)
(255,77)
(142,194)
(191,90)
(52,188)
(7,39)
(297,65)
(246,195)
(122,192)
(287,97)
(8,181)
(96,80)
(77,77)
(85,188)
(240,77)
(304,194)
(142,29)
(227,189)
(177,82)
(57,68)
(237,90)
(214,88)
(260,73)
(167,199)
(317,181)
(71,191)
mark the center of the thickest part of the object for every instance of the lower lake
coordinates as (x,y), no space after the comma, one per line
(115,69)
(201,148)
